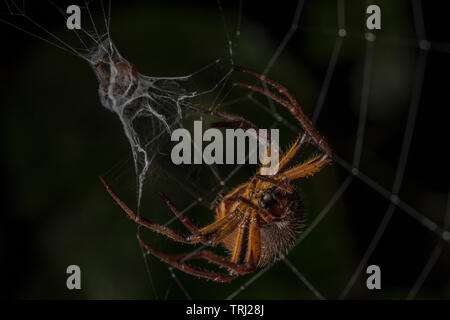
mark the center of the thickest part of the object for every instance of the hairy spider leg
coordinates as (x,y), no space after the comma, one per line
(294,151)
(254,243)
(226,230)
(247,246)
(291,104)
(176,236)
(237,122)
(217,230)
(187,223)
(278,183)
(221,228)
(234,120)
(239,244)
(307,168)
(175,261)
(210,234)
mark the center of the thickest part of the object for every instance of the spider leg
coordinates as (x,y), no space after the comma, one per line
(264,213)
(307,168)
(291,104)
(219,197)
(185,220)
(146,223)
(280,184)
(274,84)
(224,230)
(294,152)
(239,245)
(178,261)
(254,243)
(231,124)
(214,231)
(233,119)
(251,235)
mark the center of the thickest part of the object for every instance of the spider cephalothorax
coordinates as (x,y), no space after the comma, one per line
(257,221)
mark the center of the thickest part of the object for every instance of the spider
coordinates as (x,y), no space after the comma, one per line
(257,221)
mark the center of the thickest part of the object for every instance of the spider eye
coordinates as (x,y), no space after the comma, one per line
(267,199)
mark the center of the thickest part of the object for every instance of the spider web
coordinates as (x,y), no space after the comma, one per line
(352,168)
(348,166)
(395,204)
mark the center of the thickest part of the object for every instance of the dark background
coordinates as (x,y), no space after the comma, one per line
(57,140)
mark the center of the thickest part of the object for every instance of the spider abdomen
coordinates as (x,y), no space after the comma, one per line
(278,237)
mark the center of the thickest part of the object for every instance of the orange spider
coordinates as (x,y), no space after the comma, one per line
(257,221)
